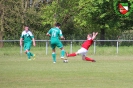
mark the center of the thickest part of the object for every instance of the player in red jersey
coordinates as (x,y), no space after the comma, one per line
(84,48)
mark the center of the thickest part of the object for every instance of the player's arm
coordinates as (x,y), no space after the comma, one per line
(48,34)
(94,35)
(33,40)
(61,35)
(21,39)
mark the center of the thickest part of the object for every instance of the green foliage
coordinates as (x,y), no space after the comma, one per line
(78,18)
(96,15)
(18,13)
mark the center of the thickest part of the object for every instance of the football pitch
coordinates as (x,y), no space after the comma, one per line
(109,71)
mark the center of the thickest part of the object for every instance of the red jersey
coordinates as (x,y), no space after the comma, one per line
(87,44)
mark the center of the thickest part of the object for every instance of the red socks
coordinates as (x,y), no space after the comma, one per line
(86,58)
(89,59)
(72,55)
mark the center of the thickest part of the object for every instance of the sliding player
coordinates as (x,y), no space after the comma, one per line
(84,48)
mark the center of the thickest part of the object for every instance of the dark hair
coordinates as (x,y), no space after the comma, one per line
(57,24)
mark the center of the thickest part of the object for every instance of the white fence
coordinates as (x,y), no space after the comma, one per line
(71,43)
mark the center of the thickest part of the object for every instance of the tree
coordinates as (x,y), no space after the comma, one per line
(15,14)
(62,11)
(81,16)
(98,16)
(2,11)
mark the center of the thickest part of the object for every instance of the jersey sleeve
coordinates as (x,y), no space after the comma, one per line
(31,35)
(22,35)
(60,33)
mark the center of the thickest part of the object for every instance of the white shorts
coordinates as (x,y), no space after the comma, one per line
(82,51)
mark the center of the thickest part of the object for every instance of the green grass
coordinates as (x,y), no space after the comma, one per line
(110,71)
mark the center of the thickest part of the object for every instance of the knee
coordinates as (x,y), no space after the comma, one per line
(77,53)
(26,51)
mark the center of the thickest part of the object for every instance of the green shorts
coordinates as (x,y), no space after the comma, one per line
(56,44)
(27,46)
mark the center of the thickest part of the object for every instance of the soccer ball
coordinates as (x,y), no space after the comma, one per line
(65,61)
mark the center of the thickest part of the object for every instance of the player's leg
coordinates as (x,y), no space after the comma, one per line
(74,54)
(28,54)
(31,54)
(84,57)
(83,52)
(27,51)
(89,59)
(62,53)
(27,47)
(53,53)
(60,45)
(71,54)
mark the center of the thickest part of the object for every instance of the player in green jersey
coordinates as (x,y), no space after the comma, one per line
(27,37)
(55,34)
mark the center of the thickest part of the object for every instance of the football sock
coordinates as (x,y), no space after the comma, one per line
(88,59)
(72,55)
(54,57)
(62,53)
(28,54)
(31,54)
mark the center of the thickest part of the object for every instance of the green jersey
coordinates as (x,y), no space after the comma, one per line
(55,33)
(27,36)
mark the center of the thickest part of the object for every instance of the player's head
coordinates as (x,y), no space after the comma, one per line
(26,28)
(89,36)
(57,24)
